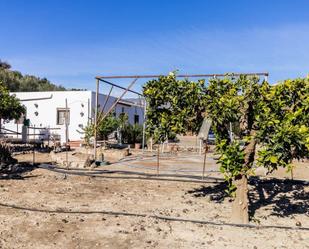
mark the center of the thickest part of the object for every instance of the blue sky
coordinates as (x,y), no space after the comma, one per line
(71,41)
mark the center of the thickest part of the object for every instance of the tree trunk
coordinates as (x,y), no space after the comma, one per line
(1,127)
(240,204)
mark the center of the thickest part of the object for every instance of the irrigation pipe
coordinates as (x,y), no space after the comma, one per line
(164,155)
(151,158)
(153,177)
(159,217)
(147,176)
(166,170)
(121,161)
(89,172)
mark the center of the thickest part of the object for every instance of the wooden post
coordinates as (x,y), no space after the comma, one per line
(162,147)
(204,164)
(151,144)
(158,159)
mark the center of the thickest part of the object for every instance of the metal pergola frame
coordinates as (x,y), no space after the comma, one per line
(103,79)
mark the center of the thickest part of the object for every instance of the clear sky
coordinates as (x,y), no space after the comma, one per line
(71,41)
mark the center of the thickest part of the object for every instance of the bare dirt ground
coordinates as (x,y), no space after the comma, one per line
(46,209)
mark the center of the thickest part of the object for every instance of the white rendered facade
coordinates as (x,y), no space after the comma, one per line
(48,113)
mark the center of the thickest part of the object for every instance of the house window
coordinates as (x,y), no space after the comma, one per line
(61,114)
(122,109)
(136,119)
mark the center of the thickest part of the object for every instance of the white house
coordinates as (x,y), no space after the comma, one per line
(46,111)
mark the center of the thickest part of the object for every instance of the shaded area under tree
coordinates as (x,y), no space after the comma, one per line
(283,197)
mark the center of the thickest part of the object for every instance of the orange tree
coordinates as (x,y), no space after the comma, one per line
(275,117)
(173,106)
(10,107)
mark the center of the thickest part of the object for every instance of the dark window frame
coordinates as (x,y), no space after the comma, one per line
(136,119)
(58,119)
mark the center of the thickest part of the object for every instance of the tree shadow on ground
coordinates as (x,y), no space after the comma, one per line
(17,171)
(216,193)
(282,197)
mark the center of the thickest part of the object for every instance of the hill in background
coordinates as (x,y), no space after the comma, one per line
(15,81)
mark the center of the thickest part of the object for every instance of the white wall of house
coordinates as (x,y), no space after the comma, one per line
(81,105)
(120,108)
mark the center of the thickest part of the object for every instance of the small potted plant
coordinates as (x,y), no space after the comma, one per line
(137,136)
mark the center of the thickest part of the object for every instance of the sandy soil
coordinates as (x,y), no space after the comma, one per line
(68,209)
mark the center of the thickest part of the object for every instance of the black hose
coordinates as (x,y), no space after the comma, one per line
(166,218)
(154,177)
(195,179)
(164,170)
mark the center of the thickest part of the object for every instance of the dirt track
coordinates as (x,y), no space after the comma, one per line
(286,203)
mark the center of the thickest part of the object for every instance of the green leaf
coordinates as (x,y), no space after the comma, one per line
(273,159)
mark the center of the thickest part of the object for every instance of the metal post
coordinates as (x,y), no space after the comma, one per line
(118,99)
(66,132)
(120,87)
(231,132)
(100,114)
(95,120)
(89,114)
(144,125)
(106,100)
(33,158)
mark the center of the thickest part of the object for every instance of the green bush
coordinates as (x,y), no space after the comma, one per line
(130,134)
(105,127)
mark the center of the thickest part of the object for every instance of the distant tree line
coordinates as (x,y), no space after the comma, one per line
(15,81)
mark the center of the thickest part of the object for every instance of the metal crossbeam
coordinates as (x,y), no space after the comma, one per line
(180,75)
